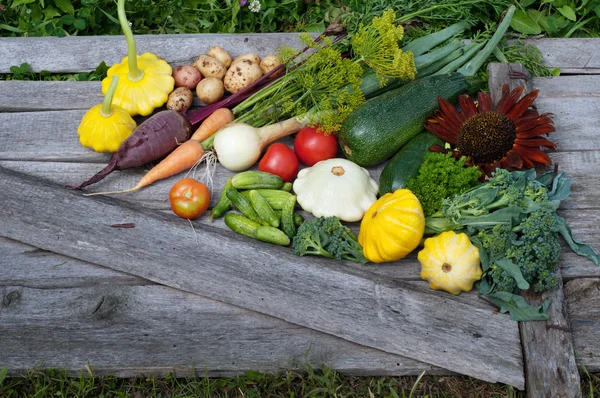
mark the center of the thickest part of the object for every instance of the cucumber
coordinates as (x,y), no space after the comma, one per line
(254,179)
(405,164)
(377,129)
(263,209)
(272,235)
(224,204)
(276,198)
(240,224)
(243,204)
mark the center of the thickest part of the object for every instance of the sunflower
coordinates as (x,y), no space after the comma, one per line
(507,136)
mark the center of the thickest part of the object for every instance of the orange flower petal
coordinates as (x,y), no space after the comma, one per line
(507,102)
(536,155)
(484,101)
(537,142)
(537,130)
(467,106)
(513,160)
(450,111)
(521,106)
(526,124)
(440,132)
(523,153)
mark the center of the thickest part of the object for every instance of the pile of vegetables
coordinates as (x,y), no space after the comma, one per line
(355,100)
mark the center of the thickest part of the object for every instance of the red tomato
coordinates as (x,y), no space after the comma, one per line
(312,146)
(189,198)
(280,160)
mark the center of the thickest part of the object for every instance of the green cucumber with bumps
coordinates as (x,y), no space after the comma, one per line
(377,129)
(405,164)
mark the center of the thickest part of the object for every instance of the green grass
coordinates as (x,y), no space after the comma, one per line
(321,383)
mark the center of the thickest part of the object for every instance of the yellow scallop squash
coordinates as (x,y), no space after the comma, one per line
(450,262)
(392,227)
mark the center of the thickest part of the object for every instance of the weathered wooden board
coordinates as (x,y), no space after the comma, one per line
(72,54)
(576,165)
(130,330)
(32,96)
(583,303)
(572,56)
(550,366)
(338,299)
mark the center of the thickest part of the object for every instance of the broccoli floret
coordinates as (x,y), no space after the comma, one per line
(441,176)
(328,237)
(497,240)
(533,245)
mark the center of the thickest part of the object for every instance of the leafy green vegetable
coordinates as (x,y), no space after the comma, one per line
(518,308)
(441,176)
(512,219)
(327,237)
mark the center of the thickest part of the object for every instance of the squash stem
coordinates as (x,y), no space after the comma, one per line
(135,74)
(106,110)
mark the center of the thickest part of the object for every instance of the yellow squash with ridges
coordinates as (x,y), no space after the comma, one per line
(450,262)
(393,227)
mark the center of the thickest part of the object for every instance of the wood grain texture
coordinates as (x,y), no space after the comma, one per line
(72,54)
(550,365)
(572,56)
(576,165)
(131,330)
(335,298)
(583,303)
(34,96)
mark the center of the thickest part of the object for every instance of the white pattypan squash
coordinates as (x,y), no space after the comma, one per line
(336,187)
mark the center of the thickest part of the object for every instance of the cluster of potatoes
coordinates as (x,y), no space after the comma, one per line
(216,72)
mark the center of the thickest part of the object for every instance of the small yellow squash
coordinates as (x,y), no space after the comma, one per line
(392,227)
(146,80)
(450,262)
(104,127)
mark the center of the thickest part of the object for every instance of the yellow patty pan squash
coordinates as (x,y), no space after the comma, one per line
(104,127)
(392,227)
(450,262)
(146,80)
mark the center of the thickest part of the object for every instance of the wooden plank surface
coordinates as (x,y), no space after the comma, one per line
(572,56)
(550,366)
(72,54)
(21,132)
(583,303)
(335,298)
(128,330)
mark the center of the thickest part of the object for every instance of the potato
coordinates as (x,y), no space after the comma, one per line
(210,90)
(220,54)
(269,63)
(186,76)
(210,67)
(251,56)
(180,98)
(241,74)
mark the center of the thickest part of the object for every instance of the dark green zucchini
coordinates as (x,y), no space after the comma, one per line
(405,164)
(377,129)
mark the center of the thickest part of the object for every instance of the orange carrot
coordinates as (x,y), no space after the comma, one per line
(185,156)
(213,123)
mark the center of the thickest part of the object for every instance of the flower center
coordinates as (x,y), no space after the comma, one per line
(486,137)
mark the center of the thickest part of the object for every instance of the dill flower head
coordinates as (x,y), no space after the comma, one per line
(376,45)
